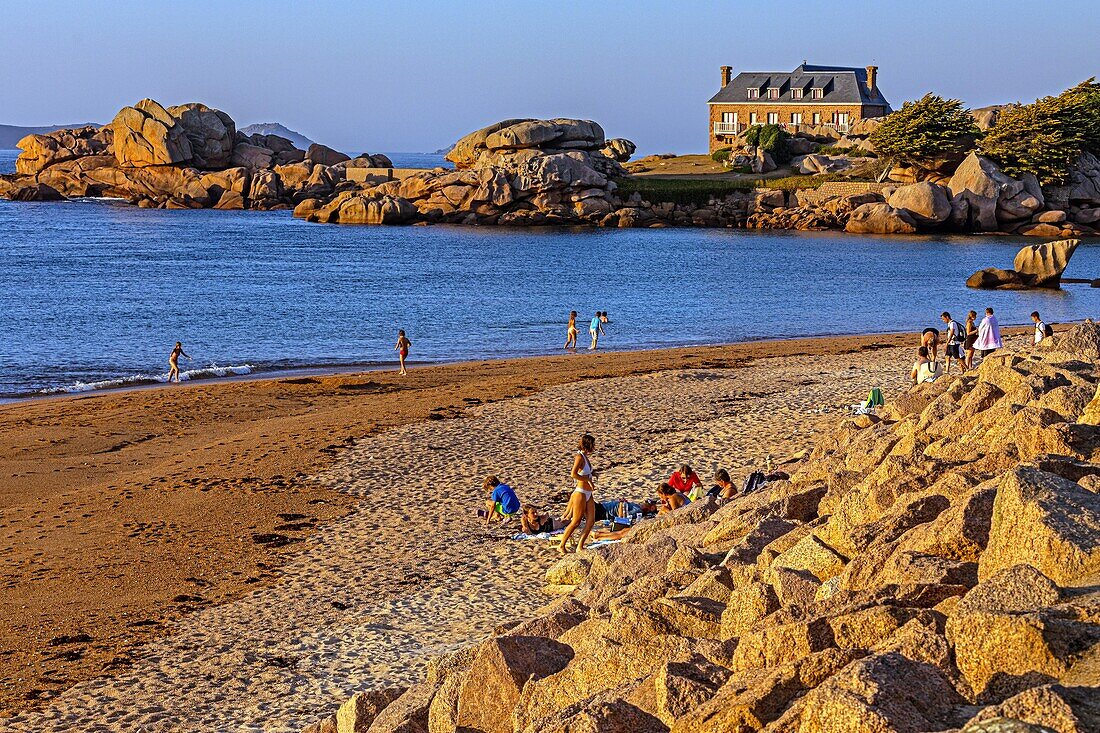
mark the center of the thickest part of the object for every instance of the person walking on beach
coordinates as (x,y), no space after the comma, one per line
(971,338)
(173,362)
(595,329)
(571,331)
(954,338)
(402,349)
(582,504)
(989,334)
(1042,330)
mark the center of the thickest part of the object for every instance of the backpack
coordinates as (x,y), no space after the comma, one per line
(1048,330)
(752,482)
(960,333)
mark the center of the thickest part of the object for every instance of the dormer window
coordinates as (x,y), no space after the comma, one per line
(817,93)
(753,93)
(796,94)
(773,92)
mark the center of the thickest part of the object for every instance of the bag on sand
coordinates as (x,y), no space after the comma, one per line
(752,482)
(874,399)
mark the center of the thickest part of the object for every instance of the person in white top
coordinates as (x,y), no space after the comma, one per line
(924,370)
(1042,330)
(989,334)
(582,505)
(955,338)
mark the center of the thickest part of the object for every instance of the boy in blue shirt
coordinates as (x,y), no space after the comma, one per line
(502,502)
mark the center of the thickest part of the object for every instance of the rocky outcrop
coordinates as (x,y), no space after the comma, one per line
(931,569)
(146,134)
(985,199)
(618,149)
(210,132)
(929,204)
(880,219)
(1036,266)
(42,151)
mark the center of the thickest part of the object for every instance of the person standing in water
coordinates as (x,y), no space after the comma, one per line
(402,349)
(173,363)
(595,328)
(571,331)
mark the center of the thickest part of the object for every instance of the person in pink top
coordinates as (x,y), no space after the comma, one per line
(989,334)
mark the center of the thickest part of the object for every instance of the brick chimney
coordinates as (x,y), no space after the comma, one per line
(727,73)
(872,78)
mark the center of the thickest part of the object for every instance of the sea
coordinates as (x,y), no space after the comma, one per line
(95,293)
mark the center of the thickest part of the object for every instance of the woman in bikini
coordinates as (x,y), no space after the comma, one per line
(173,363)
(582,505)
(571,331)
(971,337)
(402,349)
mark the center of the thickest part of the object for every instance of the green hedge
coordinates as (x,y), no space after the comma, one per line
(721,155)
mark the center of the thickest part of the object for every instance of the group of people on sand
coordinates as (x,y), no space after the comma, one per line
(583,510)
(595,330)
(962,342)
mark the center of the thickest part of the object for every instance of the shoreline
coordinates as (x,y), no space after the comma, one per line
(350,370)
(159,498)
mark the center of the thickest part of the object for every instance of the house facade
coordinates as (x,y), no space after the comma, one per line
(809,96)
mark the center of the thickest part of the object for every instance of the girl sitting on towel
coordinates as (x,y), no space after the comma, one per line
(535,521)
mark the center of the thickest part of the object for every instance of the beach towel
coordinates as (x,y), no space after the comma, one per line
(989,334)
(539,536)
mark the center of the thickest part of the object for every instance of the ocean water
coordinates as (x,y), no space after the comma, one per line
(95,293)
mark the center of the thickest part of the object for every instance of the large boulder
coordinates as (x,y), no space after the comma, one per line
(1047,522)
(1042,265)
(325,155)
(497,675)
(818,164)
(994,278)
(485,146)
(880,219)
(253,157)
(147,134)
(929,204)
(42,151)
(1083,186)
(469,148)
(211,133)
(619,149)
(984,197)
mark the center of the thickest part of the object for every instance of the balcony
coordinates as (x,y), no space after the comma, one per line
(726,128)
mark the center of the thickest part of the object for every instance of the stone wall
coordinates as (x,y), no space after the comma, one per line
(831,189)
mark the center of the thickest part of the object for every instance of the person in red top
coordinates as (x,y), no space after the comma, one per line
(684,480)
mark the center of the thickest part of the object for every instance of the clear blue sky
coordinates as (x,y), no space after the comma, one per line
(415,75)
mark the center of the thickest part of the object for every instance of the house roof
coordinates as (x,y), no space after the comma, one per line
(842,85)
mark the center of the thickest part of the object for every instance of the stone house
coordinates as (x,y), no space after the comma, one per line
(810,96)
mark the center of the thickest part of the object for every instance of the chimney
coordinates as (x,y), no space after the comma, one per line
(727,72)
(872,78)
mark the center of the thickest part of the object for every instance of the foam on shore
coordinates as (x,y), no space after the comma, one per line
(211,372)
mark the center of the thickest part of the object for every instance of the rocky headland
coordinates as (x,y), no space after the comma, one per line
(524,172)
(931,567)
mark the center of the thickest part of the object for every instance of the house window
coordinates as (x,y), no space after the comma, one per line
(773,118)
(796,118)
(727,118)
(773,93)
(817,118)
(817,93)
(796,94)
(752,118)
(753,93)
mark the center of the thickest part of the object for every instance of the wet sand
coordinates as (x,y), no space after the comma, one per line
(262,548)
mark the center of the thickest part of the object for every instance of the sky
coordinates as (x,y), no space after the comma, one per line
(414,76)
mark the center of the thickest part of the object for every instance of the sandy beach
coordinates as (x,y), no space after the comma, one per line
(244,555)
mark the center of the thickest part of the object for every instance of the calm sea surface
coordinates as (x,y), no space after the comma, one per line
(95,293)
